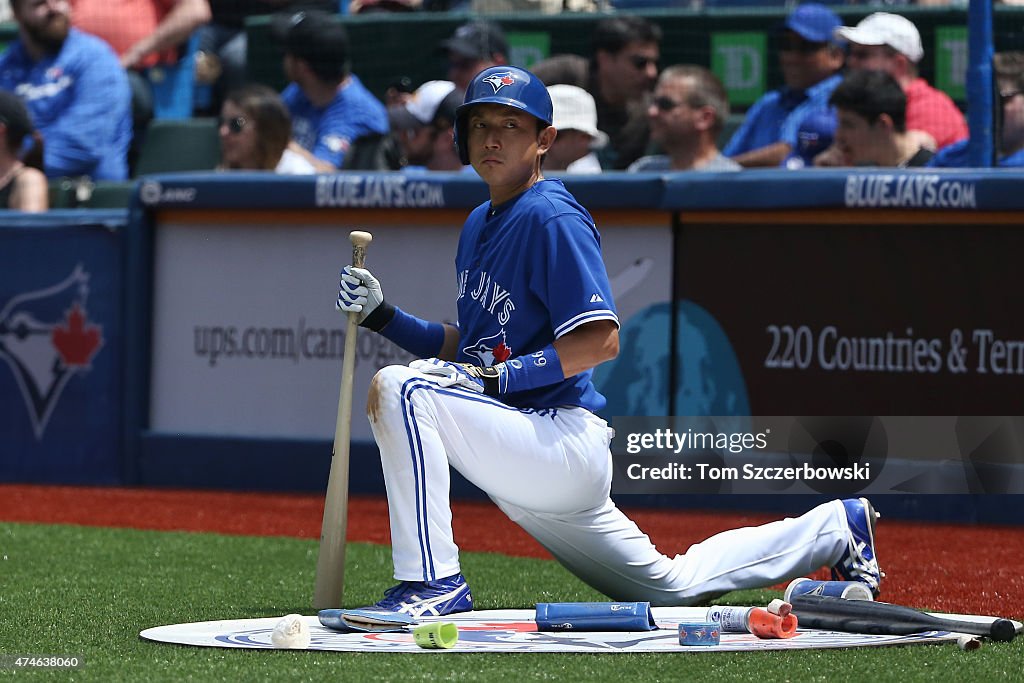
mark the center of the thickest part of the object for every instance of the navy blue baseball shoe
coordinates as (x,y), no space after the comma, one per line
(428,598)
(859,562)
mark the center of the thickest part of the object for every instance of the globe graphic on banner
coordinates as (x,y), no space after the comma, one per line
(637,382)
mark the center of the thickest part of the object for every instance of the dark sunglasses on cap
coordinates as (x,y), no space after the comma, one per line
(665,103)
(1008,95)
(235,124)
(804,47)
(642,61)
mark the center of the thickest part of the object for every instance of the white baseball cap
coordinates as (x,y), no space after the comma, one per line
(883,28)
(574,109)
(422,107)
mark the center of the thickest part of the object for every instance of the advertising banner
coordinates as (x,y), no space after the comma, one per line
(862,319)
(60,343)
(247,342)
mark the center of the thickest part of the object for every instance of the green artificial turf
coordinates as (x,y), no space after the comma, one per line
(87,592)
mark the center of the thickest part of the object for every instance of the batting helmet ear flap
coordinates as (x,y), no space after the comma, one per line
(507,85)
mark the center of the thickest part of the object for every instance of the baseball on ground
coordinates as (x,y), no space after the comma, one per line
(291,633)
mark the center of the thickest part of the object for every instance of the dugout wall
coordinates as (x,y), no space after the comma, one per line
(738,293)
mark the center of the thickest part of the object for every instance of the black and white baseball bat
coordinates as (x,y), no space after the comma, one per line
(883,618)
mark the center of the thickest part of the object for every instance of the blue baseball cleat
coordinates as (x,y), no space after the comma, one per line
(428,598)
(859,562)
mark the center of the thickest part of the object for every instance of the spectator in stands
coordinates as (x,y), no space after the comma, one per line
(222,51)
(1008,69)
(22,188)
(255,129)
(147,35)
(688,112)
(575,119)
(871,128)
(620,74)
(74,88)
(810,57)
(471,49)
(425,127)
(329,105)
(892,44)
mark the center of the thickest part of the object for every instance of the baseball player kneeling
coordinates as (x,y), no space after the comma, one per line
(506,397)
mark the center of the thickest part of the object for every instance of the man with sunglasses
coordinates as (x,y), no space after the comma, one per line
(891,43)
(330,107)
(811,58)
(1008,69)
(620,74)
(687,114)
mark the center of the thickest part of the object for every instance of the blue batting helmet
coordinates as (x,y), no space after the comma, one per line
(507,85)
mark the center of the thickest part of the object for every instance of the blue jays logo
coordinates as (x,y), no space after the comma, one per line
(499,81)
(46,337)
(490,350)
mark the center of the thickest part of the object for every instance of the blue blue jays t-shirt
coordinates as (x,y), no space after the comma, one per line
(329,131)
(80,101)
(777,116)
(530,271)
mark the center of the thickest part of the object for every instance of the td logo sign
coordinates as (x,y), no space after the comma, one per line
(951,61)
(738,59)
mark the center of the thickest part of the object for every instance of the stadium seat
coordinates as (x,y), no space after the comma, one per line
(179,145)
(108,194)
(62,192)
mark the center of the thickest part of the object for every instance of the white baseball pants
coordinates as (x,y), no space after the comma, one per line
(550,472)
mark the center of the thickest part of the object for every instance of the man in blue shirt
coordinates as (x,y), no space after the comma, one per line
(810,60)
(75,88)
(330,107)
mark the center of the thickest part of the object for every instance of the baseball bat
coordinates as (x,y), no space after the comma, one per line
(329,585)
(883,618)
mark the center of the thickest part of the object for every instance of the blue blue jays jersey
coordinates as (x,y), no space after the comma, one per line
(530,271)
(329,131)
(80,101)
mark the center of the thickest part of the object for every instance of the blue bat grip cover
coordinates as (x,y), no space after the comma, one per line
(595,616)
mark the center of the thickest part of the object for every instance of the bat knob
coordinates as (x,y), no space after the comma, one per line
(360,238)
(1003,630)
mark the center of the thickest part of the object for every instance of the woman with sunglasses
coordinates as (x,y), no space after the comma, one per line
(254,132)
(22,187)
